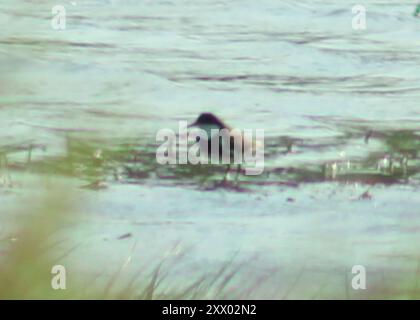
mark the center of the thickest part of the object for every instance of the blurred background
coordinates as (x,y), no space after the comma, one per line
(80,186)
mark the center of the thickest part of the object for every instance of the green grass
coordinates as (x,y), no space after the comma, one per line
(417,10)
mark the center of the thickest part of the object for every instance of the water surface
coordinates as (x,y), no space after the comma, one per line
(340,110)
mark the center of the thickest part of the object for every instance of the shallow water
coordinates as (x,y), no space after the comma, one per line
(86,103)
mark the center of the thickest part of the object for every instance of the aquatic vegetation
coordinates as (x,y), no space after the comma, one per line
(417,10)
(98,161)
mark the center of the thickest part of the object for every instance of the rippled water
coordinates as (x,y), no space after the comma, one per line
(340,109)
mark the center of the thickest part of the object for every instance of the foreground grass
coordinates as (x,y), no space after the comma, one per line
(27,259)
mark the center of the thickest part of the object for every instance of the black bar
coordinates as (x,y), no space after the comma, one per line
(211,309)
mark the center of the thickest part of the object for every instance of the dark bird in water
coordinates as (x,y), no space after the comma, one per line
(212,125)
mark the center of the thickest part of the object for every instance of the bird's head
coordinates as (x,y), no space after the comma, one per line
(208,120)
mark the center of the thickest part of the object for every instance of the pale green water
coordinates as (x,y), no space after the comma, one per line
(124,69)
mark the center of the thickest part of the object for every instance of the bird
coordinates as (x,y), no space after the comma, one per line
(213,125)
